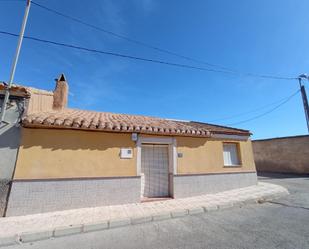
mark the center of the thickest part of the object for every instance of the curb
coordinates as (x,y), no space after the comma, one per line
(64,231)
(114,223)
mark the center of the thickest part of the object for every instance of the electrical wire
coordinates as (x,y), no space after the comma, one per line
(265,113)
(124,37)
(11,0)
(124,55)
(225,69)
(112,53)
(248,112)
(228,70)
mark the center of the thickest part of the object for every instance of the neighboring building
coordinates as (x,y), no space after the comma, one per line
(21,99)
(9,139)
(72,159)
(282,154)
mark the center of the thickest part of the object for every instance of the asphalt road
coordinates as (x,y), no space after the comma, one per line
(283,223)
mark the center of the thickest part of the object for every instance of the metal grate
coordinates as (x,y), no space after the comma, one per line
(155,171)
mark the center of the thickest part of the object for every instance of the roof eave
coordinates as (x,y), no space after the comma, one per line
(26,124)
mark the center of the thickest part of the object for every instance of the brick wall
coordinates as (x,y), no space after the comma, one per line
(285,154)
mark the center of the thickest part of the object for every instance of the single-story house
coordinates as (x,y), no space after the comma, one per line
(71,158)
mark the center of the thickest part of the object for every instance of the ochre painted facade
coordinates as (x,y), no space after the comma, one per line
(204,155)
(52,154)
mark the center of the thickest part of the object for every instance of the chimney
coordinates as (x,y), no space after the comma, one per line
(61,93)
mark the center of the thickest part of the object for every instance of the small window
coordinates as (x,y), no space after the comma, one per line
(231,154)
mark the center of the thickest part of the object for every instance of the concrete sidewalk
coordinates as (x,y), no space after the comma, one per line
(55,224)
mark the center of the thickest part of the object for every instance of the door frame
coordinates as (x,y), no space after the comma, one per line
(172,156)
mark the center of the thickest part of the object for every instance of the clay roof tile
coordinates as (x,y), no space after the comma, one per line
(104,121)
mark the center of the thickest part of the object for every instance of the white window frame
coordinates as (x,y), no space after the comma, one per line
(238,156)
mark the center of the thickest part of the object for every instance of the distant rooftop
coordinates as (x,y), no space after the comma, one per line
(24,91)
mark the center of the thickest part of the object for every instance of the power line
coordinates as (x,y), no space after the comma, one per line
(125,37)
(227,70)
(113,54)
(265,113)
(250,111)
(126,56)
(223,69)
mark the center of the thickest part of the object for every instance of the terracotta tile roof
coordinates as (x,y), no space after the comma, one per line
(104,121)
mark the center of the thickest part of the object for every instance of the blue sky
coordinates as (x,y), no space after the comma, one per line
(263,37)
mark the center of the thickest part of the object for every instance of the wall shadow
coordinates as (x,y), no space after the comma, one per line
(281,175)
(64,139)
(10,138)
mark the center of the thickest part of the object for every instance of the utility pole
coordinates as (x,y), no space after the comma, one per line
(20,40)
(304,96)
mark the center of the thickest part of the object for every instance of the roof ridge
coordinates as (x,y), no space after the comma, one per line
(114,113)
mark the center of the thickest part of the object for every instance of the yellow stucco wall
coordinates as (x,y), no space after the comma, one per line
(204,155)
(50,153)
